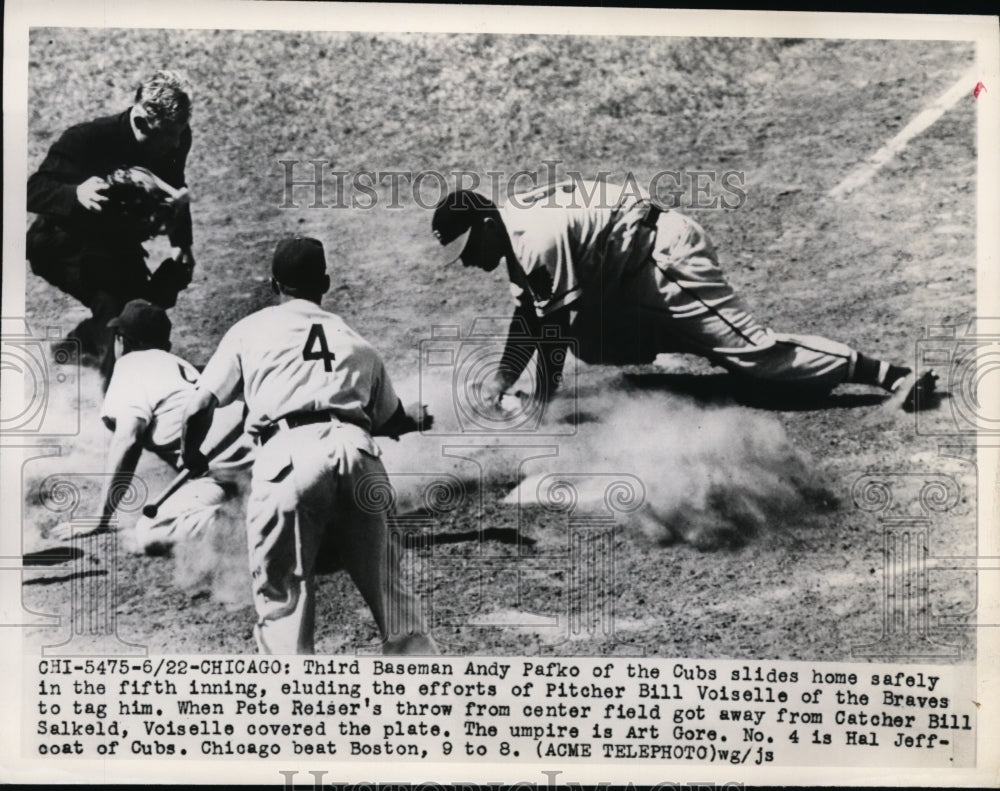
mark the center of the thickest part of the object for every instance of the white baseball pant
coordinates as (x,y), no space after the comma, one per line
(308,481)
(678,300)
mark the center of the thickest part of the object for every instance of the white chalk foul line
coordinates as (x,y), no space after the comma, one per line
(962,87)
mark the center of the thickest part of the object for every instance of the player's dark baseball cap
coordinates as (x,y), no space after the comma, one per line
(144,323)
(299,262)
(454,219)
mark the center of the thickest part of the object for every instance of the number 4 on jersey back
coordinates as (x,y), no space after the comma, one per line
(317,338)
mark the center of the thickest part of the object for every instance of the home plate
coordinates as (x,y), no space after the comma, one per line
(521,620)
(554,629)
(547,628)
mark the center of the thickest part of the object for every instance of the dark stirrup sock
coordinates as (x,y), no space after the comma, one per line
(869,371)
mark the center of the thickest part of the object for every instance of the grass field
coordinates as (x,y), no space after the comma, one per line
(754,546)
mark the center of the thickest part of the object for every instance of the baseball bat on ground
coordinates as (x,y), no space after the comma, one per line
(150,510)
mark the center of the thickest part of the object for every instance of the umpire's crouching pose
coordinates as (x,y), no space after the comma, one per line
(79,243)
(316,392)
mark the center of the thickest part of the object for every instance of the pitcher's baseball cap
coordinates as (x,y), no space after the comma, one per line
(299,262)
(143,322)
(454,219)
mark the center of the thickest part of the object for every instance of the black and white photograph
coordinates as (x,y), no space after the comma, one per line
(632,373)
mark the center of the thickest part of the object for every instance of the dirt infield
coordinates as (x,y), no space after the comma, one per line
(750,542)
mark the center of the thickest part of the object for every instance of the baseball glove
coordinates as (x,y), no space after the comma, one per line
(141,204)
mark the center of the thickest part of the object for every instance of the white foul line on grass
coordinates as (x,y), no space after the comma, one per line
(923,119)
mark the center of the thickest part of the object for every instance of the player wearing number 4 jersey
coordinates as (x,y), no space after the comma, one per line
(316,392)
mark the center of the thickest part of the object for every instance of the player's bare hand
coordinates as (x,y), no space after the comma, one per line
(181,197)
(489,397)
(90,194)
(421,416)
(196,462)
(64,531)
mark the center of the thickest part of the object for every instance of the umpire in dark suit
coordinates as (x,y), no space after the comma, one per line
(92,253)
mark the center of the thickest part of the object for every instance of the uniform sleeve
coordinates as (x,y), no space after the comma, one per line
(127,395)
(223,376)
(518,285)
(545,256)
(384,399)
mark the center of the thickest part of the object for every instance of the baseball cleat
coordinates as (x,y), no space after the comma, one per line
(920,393)
(898,393)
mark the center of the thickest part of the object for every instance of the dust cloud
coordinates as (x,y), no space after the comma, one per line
(664,465)
(214,563)
(667,468)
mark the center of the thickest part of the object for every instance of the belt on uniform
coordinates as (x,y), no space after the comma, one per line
(295,420)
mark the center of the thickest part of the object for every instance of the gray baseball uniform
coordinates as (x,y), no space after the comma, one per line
(315,391)
(639,288)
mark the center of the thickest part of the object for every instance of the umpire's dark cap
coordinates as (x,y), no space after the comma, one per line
(299,262)
(144,323)
(454,219)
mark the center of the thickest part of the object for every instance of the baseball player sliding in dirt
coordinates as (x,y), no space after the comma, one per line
(143,406)
(626,279)
(317,392)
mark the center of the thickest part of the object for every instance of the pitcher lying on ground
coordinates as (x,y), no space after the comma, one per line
(626,279)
